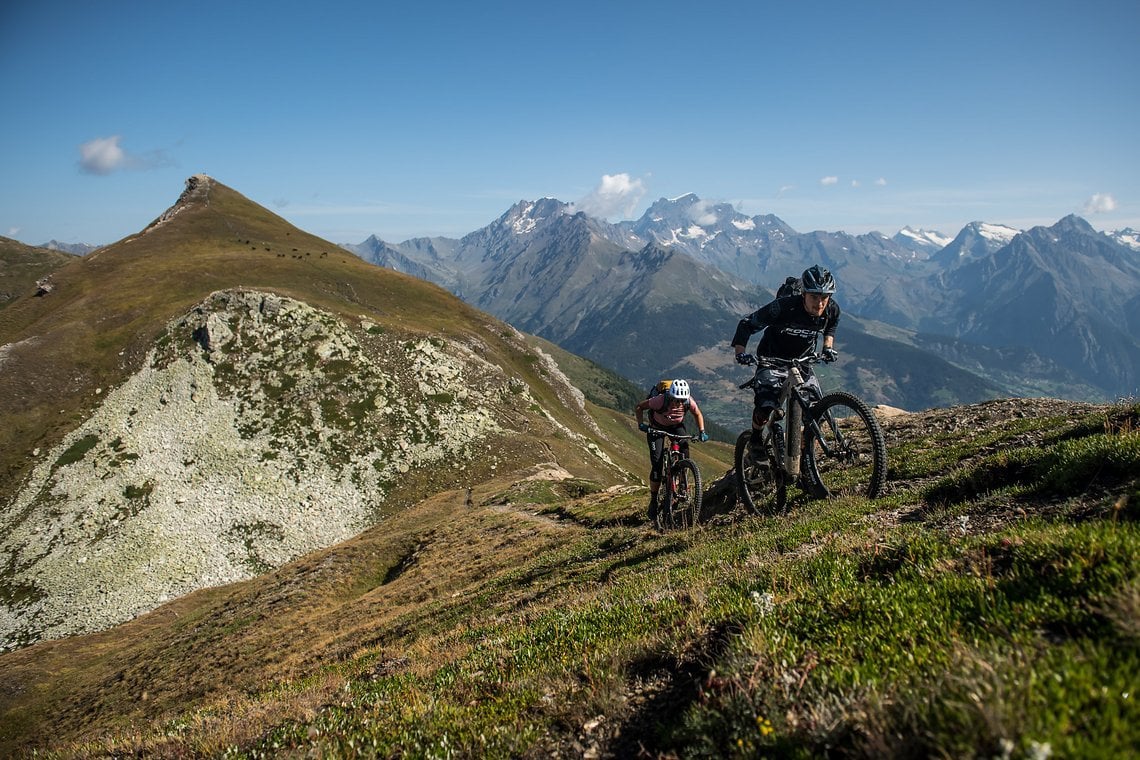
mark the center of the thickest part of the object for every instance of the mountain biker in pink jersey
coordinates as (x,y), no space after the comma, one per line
(667,412)
(791,326)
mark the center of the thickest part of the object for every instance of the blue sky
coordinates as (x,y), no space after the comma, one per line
(413,119)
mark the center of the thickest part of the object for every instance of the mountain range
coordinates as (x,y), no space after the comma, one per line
(929,320)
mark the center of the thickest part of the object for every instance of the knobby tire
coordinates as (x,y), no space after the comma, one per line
(851,458)
(757,482)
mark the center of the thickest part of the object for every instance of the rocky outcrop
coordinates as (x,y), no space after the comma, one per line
(197,189)
(259,429)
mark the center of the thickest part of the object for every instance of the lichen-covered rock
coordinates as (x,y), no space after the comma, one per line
(260,429)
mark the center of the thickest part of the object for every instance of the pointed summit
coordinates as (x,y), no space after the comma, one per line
(196,192)
(525,216)
(207,211)
(1073,224)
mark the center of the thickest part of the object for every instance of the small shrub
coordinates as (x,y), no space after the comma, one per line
(77,450)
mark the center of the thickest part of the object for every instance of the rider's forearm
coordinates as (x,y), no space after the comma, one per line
(738,349)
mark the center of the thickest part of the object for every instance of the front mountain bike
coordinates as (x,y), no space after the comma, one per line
(829,447)
(680,507)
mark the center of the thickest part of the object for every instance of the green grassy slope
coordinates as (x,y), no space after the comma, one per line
(21,266)
(987,606)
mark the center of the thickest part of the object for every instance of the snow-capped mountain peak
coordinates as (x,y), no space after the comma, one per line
(525,216)
(998,233)
(924,238)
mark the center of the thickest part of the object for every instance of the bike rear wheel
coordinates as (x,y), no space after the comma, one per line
(760,481)
(845,452)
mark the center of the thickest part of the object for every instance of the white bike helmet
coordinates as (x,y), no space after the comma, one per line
(679,390)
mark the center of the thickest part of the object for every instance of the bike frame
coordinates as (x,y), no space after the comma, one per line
(670,455)
(795,399)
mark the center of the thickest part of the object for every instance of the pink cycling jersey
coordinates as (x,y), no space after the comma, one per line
(662,414)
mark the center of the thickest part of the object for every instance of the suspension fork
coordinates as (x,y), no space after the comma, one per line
(794,424)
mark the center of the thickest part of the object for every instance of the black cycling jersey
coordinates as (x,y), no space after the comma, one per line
(789,331)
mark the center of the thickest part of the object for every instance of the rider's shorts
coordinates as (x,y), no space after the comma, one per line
(769,383)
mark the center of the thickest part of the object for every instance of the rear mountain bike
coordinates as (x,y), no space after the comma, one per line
(680,493)
(829,446)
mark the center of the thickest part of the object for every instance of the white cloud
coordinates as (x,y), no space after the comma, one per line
(1100,203)
(826,181)
(101,155)
(617,195)
(13,231)
(701,212)
(784,189)
(854,183)
(881,182)
(104,155)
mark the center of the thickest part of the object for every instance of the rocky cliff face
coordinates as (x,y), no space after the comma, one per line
(258,430)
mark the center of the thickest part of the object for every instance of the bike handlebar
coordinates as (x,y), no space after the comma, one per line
(657,432)
(776,361)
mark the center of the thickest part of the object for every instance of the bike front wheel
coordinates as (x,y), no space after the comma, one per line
(684,509)
(845,452)
(760,473)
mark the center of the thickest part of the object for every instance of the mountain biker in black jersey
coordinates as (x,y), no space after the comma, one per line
(791,326)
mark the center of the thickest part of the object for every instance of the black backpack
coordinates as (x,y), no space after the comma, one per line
(793,286)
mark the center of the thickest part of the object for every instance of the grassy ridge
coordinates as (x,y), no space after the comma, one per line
(107,308)
(989,605)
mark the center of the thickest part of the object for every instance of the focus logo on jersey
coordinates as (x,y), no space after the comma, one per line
(799,332)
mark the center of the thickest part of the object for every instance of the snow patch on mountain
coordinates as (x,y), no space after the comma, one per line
(1127,237)
(997,232)
(925,238)
(524,222)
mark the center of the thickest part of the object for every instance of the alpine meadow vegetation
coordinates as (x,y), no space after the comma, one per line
(987,606)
